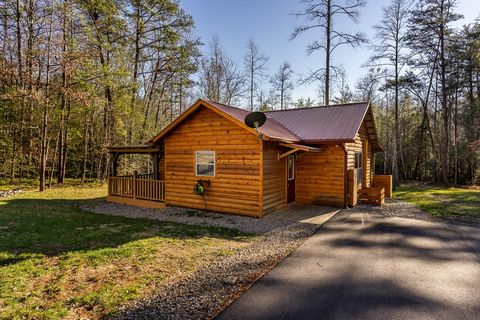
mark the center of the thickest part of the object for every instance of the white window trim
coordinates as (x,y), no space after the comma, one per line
(214,163)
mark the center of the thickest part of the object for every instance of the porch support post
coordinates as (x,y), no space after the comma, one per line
(113,170)
(155,166)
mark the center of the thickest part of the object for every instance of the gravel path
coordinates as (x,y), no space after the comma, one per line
(397,208)
(206,292)
(393,208)
(189,216)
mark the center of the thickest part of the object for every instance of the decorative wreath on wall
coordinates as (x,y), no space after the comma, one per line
(199,188)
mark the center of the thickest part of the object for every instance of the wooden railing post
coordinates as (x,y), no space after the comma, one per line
(134,185)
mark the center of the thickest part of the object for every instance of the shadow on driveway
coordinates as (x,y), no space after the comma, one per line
(364,266)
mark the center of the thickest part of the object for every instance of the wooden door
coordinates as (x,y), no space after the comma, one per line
(290,178)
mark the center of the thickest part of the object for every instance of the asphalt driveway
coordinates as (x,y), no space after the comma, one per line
(364,266)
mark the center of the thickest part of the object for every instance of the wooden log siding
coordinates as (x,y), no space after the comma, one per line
(320,177)
(358,146)
(352,188)
(236,186)
(161,167)
(274,178)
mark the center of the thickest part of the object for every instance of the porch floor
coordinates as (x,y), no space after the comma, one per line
(312,214)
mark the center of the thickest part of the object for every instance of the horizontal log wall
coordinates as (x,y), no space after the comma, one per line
(161,167)
(236,186)
(352,187)
(274,178)
(358,146)
(320,177)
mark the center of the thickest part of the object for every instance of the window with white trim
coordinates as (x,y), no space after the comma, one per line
(359,166)
(205,163)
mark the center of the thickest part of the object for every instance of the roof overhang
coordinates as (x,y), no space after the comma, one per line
(369,120)
(294,147)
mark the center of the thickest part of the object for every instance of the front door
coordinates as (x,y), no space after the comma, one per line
(290,178)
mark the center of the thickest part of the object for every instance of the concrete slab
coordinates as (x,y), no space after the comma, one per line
(304,213)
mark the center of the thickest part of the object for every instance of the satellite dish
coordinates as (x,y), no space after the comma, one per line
(255,119)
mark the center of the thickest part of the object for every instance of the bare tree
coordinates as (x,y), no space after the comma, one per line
(390,53)
(345,94)
(430,28)
(282,85)
(366,87)
(220,79)
(321,14)
(254,62)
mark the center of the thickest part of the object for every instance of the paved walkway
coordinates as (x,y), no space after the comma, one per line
(361,266)
(304,213)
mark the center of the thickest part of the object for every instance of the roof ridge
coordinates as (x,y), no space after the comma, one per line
(319,107)
(226,105)
(270,119)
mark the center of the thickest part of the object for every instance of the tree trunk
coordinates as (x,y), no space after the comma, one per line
(446,135)
(328,37)
(44,147)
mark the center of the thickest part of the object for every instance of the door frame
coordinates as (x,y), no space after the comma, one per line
(291,156)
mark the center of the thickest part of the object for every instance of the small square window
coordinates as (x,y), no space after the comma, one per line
(205,163)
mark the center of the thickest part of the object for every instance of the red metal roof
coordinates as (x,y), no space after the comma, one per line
(271,128)
(336,123)
(339,122)
(321,124)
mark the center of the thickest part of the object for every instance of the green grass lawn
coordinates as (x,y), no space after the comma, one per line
(441,201)
(58,261)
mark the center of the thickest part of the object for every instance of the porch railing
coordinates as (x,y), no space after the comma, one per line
(148,176)
(137,188)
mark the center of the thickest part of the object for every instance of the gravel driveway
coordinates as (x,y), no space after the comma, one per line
(203,294)
(367,265)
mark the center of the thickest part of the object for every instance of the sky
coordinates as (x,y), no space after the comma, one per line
(270,23)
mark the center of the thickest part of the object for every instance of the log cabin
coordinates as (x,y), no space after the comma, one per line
(320,155)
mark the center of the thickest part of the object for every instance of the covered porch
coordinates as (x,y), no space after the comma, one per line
(145,189)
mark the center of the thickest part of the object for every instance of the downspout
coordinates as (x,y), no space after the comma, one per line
(345,176)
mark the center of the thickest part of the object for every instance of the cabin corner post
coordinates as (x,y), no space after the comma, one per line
(260,184)
(345,177)
(114,163)
(365,165)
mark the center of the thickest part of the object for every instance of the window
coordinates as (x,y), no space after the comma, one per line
(205,163)
(359,167)
(291,167)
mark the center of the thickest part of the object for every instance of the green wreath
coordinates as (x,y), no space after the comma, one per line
(199,188)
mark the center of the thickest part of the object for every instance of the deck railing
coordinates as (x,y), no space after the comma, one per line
(381,188)
(148,176)
(137,188)
(383,181)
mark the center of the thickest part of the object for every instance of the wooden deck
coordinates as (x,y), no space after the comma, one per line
(137,190)
(304,213)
